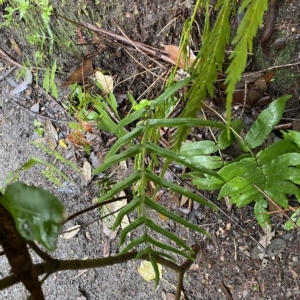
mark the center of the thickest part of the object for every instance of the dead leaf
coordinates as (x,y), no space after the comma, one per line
(87,171)
(62,143)
(50,134)
(81,74)
(106,82)
(71,232)
(94,160)
(35,107)
(106,248)
(147,272)
(174,51)
(194,267)
(183,200)
(109,221)
(15,46)
(295,275)
(275,247)
(265,240)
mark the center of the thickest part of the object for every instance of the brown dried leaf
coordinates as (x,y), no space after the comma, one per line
(183,200)
(265,240)
(76,138)
(50,134)
(15,46)
(81,74)
(174,52)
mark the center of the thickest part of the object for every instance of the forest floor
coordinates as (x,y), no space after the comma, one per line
(224,268)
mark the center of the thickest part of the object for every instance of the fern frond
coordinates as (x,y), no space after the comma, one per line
(209,60)
(247,30)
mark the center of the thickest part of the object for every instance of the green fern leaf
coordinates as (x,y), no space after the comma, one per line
(209,60)
(244,43)
(265,123)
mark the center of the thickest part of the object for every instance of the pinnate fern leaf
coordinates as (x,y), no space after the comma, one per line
(247,30)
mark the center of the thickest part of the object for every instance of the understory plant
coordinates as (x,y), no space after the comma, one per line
(257,176)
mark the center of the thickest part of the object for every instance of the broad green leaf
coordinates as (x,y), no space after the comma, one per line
(245,199)
(92,115)
(278,197)
(294,136)
(282,161)
(265,122)
(294,217)
(54,90)
(238,168)
(113,103)
(234,186)
(209,184)
(162,210)
(177,189)
(282,186)
(273,151)
(106,123)
(224,140)
(190,149)
(121,186)
(118,157)
(261,213)
(38,214)
(210,162)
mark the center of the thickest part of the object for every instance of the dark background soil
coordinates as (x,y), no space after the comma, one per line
(224,262)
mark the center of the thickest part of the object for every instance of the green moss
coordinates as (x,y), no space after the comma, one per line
(284,78)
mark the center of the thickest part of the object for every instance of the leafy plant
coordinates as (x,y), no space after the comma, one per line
(38,127)
(249,178)
(40,216)
(49,83)
(269,175)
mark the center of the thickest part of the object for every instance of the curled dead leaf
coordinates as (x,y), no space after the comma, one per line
(81,74)
(174,52)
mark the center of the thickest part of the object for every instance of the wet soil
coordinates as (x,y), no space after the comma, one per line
(224,268)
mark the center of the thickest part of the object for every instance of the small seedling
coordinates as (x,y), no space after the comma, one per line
(38,127)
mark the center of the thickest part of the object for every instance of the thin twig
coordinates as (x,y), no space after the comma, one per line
(271,68)
(274,203)
(43,255)
(129,197)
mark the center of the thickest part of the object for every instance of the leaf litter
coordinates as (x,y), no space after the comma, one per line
(269,246)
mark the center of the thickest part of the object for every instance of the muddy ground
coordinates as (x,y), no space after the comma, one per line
(224,267)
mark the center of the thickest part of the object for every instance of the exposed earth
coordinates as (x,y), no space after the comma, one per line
(224,268)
